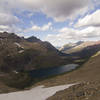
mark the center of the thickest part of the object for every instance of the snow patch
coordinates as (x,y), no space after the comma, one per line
(37,93)
(17,44)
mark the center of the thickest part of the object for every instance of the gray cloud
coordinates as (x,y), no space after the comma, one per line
(59,10)
(8,19)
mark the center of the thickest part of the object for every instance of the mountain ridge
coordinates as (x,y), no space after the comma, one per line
(27,54)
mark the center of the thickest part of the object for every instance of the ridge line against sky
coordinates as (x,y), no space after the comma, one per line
(56,21)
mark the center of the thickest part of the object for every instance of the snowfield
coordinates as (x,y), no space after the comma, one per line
(37,93)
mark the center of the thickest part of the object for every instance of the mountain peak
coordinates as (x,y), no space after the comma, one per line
(33,39)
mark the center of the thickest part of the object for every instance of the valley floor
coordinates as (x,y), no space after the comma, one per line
(87,77)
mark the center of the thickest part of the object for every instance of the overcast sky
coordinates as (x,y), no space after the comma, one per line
(56,21)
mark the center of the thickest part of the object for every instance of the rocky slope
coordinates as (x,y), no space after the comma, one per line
(87,78)
(18,53)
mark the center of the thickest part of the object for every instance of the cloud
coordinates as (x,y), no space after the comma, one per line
(10,29)
(8,22)
(43,28)
(8,19)
(68,34)
(90,20)
(59,10)
(3,28)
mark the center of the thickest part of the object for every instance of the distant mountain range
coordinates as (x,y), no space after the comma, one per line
(69,46)
(81,49)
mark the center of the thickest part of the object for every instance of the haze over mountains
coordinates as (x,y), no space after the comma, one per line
(70,46)
(81,49)
(73,47)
